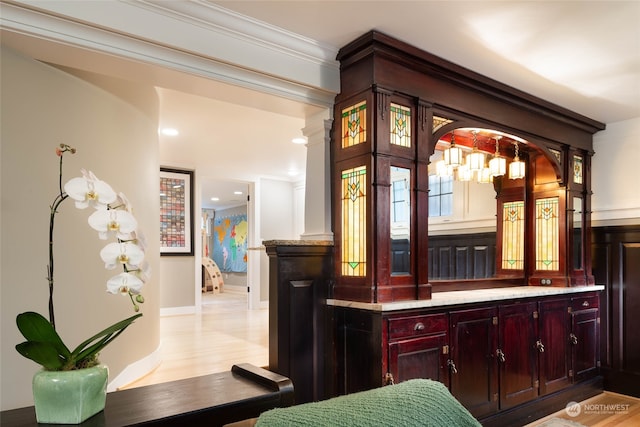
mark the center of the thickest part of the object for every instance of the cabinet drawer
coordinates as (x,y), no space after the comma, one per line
(584,303)
(412,326)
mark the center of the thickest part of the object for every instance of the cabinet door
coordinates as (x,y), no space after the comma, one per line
(584,339)
(517,354)
(474,378)
(554,325)
(424,357)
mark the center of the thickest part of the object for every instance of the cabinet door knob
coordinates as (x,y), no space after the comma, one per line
(419,326)
(388,379)
(500,355)
(573,338)
(452,366)
(585,303)
(540,346)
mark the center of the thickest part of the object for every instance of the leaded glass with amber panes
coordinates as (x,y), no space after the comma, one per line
(354,125)
(354,206)
(547,228)
(513,235)
(400,125)
(577,169)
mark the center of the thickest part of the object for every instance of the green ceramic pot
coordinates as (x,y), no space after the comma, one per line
(69,397)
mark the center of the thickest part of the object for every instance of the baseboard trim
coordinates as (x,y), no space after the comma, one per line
(177,311)
(622,382)
(136,370)
(545,405)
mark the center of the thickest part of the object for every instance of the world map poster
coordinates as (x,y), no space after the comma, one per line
(230,243)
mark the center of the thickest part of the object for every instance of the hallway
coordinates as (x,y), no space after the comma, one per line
(224,334)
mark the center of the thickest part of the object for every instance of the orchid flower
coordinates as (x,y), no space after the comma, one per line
(143,271)
(88,190)
(124,284)
(113,216)
(121,253)
(108,221)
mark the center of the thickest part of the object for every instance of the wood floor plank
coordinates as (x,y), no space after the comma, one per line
(604,410)
(223,334)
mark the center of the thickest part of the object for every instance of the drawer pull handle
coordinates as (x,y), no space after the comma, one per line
(573,338)
(419,326)
(500,355)
(585,304)
(452,366)
(540,346)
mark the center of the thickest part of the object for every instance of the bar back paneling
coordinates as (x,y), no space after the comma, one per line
(462,256)
(615,254)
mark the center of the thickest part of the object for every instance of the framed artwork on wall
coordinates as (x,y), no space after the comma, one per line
(176,212)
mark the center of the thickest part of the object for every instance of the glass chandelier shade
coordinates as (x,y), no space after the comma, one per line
(498,165)
(453,154)
(475,160)
(516,168)
(443,169)
(464,173)
(484,176)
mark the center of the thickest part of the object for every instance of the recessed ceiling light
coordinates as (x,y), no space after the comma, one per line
(169,131)
(215,199)
(237,192)
(299,140)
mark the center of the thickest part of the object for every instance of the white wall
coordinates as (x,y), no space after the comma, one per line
(616,174)
(113,125)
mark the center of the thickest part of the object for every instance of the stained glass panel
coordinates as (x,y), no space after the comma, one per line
(400,125)
(577,169)
(547,241)
(354,125)
(354,204)
(438,122)
(513,235)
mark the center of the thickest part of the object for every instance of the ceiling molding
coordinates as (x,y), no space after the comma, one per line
(243,53)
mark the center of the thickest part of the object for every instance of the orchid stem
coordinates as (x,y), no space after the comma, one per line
(52,216)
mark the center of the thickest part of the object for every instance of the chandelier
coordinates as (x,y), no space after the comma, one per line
(465,168)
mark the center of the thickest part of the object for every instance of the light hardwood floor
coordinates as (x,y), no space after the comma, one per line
(224,334)
(604,410)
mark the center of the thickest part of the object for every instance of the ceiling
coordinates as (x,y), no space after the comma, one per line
(584,56)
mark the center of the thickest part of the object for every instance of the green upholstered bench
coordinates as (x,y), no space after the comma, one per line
(418,402)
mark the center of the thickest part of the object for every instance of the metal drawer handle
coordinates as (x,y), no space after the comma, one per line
(540,346)
(501,356)
(573,338)
(585,304)
(452,366)
(419,326)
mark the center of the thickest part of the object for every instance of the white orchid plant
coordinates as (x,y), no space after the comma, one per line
(112,218)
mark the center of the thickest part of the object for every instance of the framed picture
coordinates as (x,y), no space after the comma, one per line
(176,212)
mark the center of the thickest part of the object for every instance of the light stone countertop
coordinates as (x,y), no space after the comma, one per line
(442,299)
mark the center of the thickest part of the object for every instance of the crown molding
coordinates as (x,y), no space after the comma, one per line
(198,38)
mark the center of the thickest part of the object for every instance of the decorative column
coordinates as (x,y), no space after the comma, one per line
(317,205)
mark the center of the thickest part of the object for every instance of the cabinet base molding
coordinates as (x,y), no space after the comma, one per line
(546,405)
